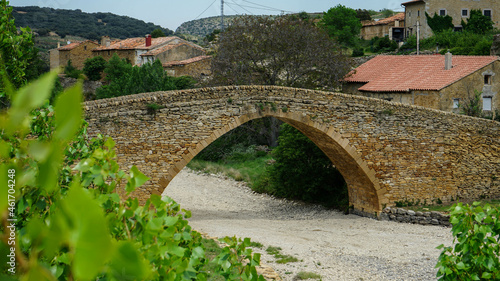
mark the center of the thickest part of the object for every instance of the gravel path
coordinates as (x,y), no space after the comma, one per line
(329,243)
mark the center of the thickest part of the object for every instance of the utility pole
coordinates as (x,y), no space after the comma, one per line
(221,15)
(418,38)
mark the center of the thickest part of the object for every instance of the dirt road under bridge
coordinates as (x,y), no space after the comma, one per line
(326,242)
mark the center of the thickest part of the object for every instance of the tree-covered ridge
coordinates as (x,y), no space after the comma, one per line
(203,27)
(78,23)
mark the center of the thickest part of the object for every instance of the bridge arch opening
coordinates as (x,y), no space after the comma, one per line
(363,188)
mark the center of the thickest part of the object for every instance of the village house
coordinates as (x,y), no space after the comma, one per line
(77,52)
(442,82)
(391,26)
(458,9)
(197,67)
(146,49)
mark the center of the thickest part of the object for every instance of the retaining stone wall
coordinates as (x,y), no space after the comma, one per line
(410,216)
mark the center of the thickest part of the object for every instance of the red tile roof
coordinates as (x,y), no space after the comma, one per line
(73,45)
(169,47)
(138,43)
(407,73)
(399,17)
(184,62)
(69,46)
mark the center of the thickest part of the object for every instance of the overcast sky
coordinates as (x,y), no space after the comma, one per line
(172,13)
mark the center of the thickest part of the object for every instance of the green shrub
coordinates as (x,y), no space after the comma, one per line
(459,43)
(358,52)
(302,171)
(93,67)
(383,44)
(128,80)
(71,71)
(476,250)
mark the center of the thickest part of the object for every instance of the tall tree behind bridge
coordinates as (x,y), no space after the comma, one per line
(283,51)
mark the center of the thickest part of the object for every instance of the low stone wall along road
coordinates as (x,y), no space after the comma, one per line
(329,243)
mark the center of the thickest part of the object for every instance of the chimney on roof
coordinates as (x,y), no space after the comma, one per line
(148,40)
(448,61)
(58,45)
(105,41)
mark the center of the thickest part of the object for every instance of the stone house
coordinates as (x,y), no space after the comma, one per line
(392,27)
(458,9)
(442,82)
(197,67)
(77,52)
(142,50)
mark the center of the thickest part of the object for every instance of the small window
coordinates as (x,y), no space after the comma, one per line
(487,79)
(109,53)
(387,99)
(465,13)
(418,13)
(456,103)
(487,103)
(442,12)
(409,14)
(487,13)
(85,48)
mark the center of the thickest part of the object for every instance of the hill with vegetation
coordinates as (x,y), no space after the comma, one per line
(77,23)
(203,27)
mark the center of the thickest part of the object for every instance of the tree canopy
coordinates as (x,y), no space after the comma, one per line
(363,14)
(343,24)
(87,25)
(478,23)
(157,33)
(278,51)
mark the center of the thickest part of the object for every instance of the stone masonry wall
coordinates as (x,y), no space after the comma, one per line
(386,151)
(415,217)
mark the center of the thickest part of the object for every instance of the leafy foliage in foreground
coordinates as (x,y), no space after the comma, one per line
(475,255)
(17,51)
(70,223)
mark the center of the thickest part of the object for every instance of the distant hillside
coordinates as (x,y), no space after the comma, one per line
(86,25)
(203,27)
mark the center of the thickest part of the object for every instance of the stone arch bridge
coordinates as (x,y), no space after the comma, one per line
(387,152)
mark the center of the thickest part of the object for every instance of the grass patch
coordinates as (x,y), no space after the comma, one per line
(303,275)
(256,245)
(249,171)
(280,258)
(444,208)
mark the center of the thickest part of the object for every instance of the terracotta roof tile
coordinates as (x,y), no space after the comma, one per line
(137,43)
(73,45)
(184,62)
(399,17)
(169,47)
(407,73)
(69,46)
